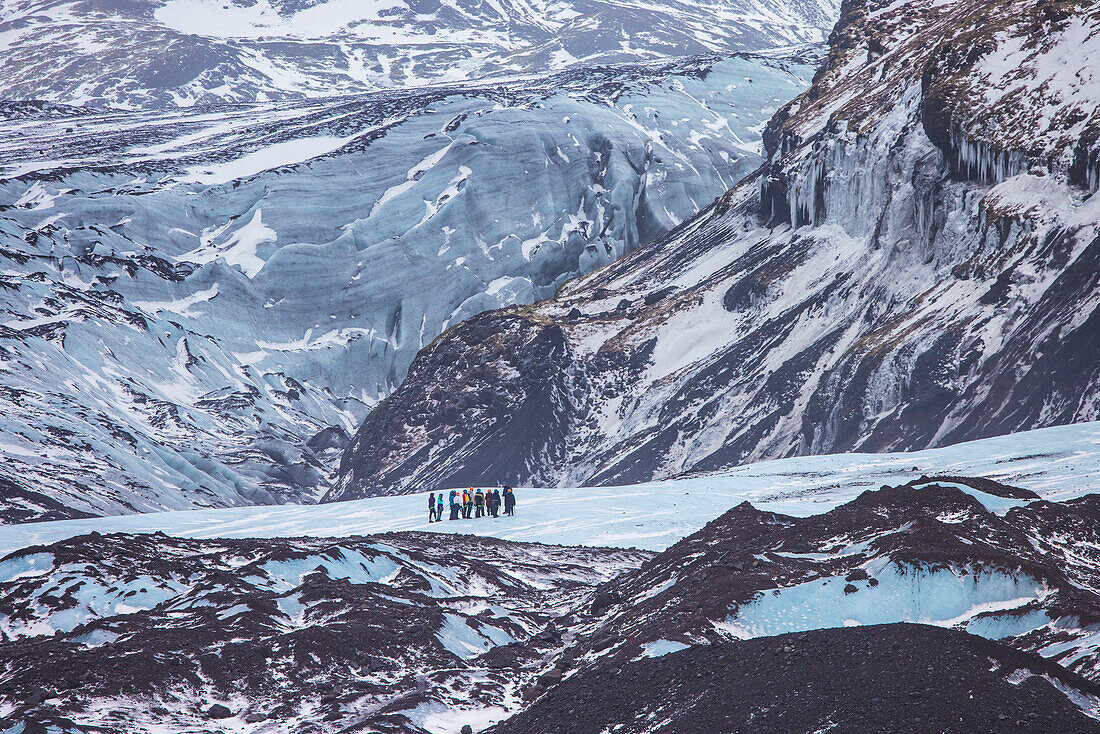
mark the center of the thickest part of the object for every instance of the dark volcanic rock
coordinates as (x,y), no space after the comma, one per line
(529,419)
(902,678)
(319,635)
(218,711)
(981,484)
(306,630)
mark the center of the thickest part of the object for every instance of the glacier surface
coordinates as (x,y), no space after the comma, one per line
(197,308)
(1058,464)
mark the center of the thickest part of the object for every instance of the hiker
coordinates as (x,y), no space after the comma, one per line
(495,505)
(509,501)
(454,504)
(479,503)
(431,507)
(467,503)
(439,508)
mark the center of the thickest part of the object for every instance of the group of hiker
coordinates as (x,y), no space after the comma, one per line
(472,503)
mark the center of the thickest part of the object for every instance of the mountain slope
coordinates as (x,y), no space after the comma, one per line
(966,554)
(954,552)
(168,53)
(916,264)
(157,347)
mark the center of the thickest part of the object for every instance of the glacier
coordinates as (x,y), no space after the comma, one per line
(157,347)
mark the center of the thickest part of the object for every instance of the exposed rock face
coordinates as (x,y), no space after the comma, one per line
(763,622)
(931,552)
(195,309)
(169,53)
(918,263)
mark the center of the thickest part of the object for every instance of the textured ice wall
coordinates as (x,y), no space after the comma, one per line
(188,299)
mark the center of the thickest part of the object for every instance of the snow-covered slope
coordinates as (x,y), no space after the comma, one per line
(1058,464)
(196,309)
(188,52)
(917,264)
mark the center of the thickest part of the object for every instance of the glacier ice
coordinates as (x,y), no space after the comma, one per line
(196,309)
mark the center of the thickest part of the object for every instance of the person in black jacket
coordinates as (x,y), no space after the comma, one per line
(431,507)
(509,501)
(494,502)
(479,503)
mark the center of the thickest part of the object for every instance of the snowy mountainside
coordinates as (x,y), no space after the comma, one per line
(915,265)
(167,53)
(157,350)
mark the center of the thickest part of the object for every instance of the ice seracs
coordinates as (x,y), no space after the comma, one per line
(161,350)
(915,265)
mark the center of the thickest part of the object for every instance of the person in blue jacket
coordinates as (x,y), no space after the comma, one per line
(455,507)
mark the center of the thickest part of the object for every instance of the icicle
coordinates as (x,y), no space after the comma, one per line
(977,161)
